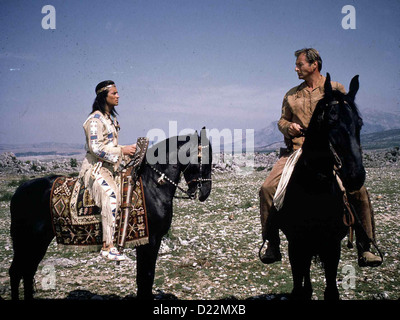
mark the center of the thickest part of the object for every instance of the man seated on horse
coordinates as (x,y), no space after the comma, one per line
(103,157)
(297,108)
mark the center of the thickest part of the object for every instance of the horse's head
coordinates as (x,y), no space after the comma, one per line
(198,172)
(343,122)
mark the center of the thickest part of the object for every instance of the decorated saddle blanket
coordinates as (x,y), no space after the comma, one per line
(77,221)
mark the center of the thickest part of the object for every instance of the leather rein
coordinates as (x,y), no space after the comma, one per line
(164,178)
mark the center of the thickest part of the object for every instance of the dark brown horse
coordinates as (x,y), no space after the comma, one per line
(312,214)
(31,226)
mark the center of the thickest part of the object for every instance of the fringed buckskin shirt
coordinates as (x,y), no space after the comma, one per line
(102,141)
(298,106)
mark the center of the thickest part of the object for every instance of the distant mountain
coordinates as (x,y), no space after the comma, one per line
(376,121)
(381,140)
(268,135)
(380,130)
(44,149)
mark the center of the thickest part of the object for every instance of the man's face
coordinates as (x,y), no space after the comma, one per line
(112,97)
(303,68)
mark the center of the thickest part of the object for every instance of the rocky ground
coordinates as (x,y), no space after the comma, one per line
(211,251)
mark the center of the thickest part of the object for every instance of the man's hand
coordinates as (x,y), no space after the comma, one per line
(129,150)
(295,129)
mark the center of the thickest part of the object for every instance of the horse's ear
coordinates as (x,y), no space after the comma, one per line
(328,86)
(203,136)
(354,86)
(203,132)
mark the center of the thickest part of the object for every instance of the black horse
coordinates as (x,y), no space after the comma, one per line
(31,226)
(312,213)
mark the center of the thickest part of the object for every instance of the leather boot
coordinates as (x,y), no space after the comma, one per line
(368,259)
(364,228)
(272,254)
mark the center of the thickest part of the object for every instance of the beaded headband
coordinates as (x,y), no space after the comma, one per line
(105,88)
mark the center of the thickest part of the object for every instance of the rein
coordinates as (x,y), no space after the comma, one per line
(163,178)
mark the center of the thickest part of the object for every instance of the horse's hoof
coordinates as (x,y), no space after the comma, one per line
(331,294)
(301,294)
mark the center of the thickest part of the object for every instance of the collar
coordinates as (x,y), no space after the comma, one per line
(320,85)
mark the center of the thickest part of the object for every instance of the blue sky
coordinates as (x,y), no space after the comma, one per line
(215,63)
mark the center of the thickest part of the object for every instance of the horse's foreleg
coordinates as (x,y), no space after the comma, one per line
(297,272)
(300,261)
(146,264)
(331,262)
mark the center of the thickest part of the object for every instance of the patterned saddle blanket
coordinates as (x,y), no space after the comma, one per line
(77,221)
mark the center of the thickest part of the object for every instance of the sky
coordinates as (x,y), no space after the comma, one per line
(214,63)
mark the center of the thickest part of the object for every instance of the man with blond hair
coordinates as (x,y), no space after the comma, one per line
(298,106)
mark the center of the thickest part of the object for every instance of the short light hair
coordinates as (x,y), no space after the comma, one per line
(312,55)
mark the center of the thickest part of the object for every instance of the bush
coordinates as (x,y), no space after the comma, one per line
(6,196)
(73,162)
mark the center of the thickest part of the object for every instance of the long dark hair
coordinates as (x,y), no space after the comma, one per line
(100,100)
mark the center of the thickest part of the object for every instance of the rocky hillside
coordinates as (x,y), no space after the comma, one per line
(9,163)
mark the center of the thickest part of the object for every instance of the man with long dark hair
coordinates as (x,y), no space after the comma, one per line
(103,157)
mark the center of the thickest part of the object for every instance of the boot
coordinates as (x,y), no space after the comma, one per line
(365,257)
(272,254)
(364,228)
(368,259)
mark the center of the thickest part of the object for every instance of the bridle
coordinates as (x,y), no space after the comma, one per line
(336,159)
(190,195)
(337,162)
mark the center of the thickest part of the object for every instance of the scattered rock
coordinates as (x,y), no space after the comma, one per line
(9,163)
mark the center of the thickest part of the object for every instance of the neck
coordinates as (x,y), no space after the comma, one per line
(313,80)
(108,109)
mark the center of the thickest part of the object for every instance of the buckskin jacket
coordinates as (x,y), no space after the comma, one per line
(298,106)
(101,144)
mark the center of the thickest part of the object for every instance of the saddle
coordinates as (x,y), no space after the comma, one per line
(77,220)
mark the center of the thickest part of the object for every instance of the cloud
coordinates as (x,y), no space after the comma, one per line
(19,56)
